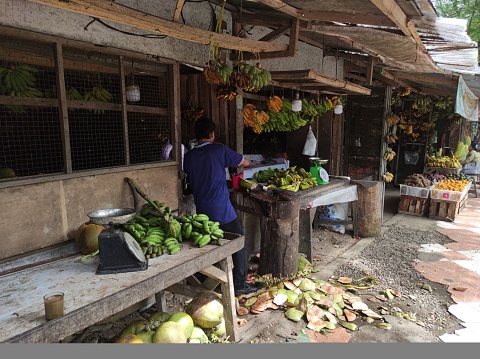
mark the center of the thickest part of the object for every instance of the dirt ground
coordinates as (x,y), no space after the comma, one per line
(328,246)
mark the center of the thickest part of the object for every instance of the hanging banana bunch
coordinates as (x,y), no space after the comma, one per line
(274,103)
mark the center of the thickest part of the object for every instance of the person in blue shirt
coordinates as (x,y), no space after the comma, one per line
(205,169)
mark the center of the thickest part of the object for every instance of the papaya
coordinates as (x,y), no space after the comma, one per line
(86,237)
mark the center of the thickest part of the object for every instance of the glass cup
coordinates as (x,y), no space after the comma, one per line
(53,305)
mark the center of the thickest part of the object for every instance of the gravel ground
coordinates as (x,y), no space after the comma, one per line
(389,259)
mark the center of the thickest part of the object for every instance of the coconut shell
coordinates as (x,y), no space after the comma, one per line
(86,237)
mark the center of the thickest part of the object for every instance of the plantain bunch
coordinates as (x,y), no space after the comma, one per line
(292,179)
(392,119)
(73,94)
(387,177)
(391,138)
(389,154)
(97,94)
(259,77)
(226,93)
(254,118)
(274,103)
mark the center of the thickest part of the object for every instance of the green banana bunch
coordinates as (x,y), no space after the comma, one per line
(200,229)
(74,95)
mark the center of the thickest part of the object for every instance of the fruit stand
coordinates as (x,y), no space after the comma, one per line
(286,220)
(90,298)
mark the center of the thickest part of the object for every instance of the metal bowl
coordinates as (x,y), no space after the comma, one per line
(112,215)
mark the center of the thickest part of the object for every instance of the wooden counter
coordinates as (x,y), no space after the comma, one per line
(90,298)
(292,214)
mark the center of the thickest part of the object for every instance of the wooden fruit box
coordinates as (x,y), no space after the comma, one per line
(446,210)
(416,206)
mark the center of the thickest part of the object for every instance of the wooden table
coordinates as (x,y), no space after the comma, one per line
(296,225)
(90,298)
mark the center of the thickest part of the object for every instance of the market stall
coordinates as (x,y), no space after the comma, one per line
(90,298)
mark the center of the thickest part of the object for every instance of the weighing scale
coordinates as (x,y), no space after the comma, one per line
(119,252)
(317,171)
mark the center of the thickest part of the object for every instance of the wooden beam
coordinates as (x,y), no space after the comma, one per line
(275,34)
(111,11)
(280,6)
(351,18)
(416,36)
(395,13)
(289,52)
(445,81)
(178,10)
(308,78)
(369,75)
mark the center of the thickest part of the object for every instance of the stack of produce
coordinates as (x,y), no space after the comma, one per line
(159,231)
(291,179)
(201,322)
(452,185)
(417,180)
(458,176)
(444,161)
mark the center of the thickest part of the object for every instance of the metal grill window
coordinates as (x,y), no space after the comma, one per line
(101,128)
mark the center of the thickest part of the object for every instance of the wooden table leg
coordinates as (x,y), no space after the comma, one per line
(229,301)
(161,301)
(305,232)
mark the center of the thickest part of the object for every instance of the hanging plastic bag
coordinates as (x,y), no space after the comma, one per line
(310,144)
(166,151)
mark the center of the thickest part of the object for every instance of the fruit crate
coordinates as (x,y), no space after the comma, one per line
(421,192)
(446,210)
(416,206)
(443,194)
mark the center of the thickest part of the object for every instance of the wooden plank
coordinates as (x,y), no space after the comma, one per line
(275,34)
(394,12)
(214,272)
(281,6)
(178,9)
(62,108)
(316,16)
(108,10)
(305,78)
(369,75)
(442,209)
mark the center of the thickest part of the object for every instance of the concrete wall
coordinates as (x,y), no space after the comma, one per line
(36,17)
(38,215)
(43,214)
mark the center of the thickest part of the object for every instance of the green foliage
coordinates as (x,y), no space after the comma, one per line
(462,9)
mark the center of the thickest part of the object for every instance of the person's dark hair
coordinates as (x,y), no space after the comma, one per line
(203,127)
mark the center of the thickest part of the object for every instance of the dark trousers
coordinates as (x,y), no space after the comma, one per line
(240,260)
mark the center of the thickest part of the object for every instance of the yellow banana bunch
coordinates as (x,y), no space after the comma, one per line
(274,103)
(387,177)
(445,161)
(392,119)
(389,154)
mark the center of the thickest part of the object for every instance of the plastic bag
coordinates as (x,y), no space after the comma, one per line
(472,168)
(411,157)
(334,211)
(310,144)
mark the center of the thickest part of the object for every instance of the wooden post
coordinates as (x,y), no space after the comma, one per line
(279,237)
(369,208)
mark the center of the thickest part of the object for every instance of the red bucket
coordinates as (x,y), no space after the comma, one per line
(235,180)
